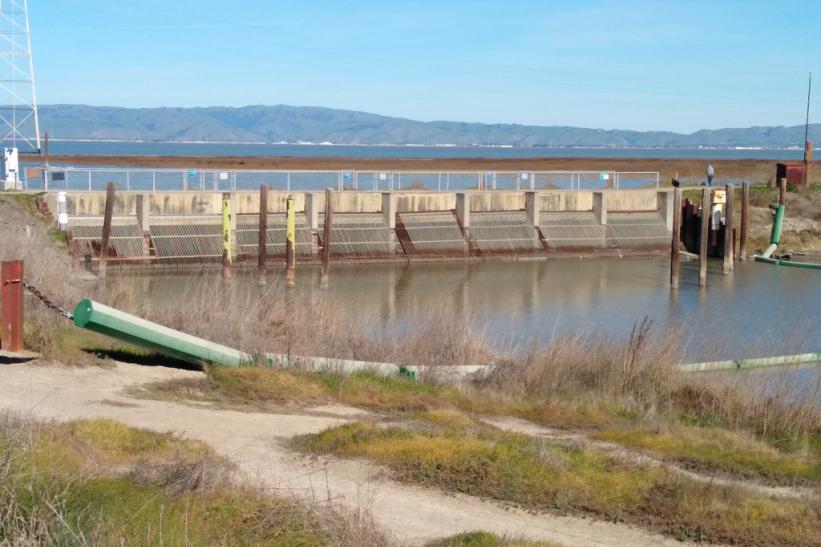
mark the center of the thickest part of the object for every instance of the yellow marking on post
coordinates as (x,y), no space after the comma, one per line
(290,221)
(226,226)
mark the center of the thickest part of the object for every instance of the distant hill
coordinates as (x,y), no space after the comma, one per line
(314,124)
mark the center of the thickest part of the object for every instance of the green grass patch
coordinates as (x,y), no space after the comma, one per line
(486,539)
(720,450)
(543,476)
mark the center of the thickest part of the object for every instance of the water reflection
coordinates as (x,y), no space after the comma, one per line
(759,310)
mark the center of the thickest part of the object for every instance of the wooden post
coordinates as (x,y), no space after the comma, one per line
(326,239)
(745,219)
(782,191)
(263,229)
(11,277)
(227,237)
(706,205)
(675,258)
(109,211)
(727,265)
(290,242)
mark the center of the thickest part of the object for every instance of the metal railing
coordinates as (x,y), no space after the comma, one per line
(157,180)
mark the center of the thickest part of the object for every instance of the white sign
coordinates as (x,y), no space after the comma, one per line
(383,176)
(223,176)
(524,176)
(604,176)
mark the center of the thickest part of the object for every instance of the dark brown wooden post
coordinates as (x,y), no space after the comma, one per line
(11,277)
(263,229)
(109,211)
(706,206)
(745,219)
(782,191)
(729,210)
(326,239)
(675,257)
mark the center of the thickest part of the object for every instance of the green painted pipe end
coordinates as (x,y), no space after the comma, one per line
(82,313)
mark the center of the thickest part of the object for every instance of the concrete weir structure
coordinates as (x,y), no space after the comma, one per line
(180,227)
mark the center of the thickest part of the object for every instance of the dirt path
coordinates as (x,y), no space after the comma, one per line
(639,458)
(256,443)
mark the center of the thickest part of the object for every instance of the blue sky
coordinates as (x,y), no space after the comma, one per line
(643,65)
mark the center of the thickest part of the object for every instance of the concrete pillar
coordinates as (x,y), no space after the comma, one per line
(144,212)
(463,208)
(532,207)
(665,207)
(312,210)
(600,207)
(389,209)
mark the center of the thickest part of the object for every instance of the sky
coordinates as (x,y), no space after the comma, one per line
(677,66)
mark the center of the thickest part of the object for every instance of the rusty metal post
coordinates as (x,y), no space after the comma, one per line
(745,219)
(706,206)
(675,256)
(729,211)
(326,240)
(808,148)
(263,229)
(227,237)
(290,242)
(109,211)
(11,277)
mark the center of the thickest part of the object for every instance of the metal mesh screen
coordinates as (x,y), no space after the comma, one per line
(503,232)
(431,233)
(646,229)
(563,230)
(247,236)
(187,237)
(361,235)
(126,238)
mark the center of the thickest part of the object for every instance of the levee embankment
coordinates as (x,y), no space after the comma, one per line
(179,227)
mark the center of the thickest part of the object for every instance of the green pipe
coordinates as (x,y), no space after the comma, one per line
(775,239)
(757,362)
(99,318)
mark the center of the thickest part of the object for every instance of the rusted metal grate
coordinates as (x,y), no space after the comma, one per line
(361,235)
(642,229)
(126,238)
(571,229)
(503,232)
(247,236)
(432,232)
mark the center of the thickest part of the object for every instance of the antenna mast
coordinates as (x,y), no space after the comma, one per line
(807,122)
(19,120)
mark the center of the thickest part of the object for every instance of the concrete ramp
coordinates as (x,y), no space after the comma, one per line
(247,236)
(637,230)
(361,235)
(126,238)
(431,233)
(572,230)
(504,232)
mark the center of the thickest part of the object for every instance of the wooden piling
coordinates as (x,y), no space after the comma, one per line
(675,257)
(290,242)
(782,191)
(263,230)
(109,211)
(729,210)
(706,205)
(745,219)
(11,321)
(326,239)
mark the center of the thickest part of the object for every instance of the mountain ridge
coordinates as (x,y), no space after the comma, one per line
(292,124)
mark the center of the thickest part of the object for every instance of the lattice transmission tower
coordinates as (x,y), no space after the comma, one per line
(19,121)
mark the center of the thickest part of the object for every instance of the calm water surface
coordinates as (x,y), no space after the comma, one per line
(760,310)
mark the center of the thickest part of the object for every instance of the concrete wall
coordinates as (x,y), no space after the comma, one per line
(245,202)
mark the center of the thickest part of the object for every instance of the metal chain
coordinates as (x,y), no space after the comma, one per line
(47,301)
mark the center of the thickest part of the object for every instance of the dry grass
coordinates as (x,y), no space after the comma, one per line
(486,539)
(101,483)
